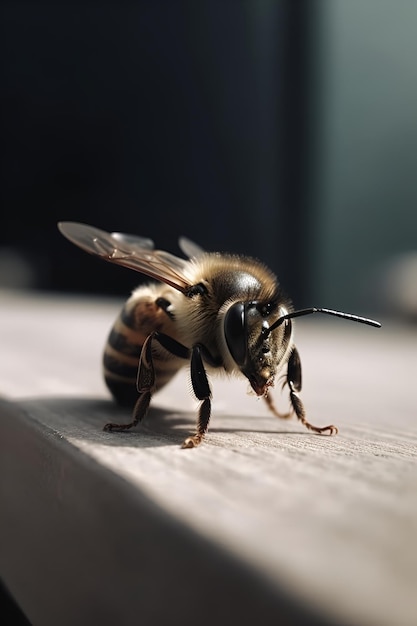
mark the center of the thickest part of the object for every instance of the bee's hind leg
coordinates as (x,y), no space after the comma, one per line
(145,382)
(294,383)
(139,411)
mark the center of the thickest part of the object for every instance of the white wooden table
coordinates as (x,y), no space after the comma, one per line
(265,521)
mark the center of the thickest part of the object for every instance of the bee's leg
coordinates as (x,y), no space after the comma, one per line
(145,382)
(271,406)
(202,391)
(294,383)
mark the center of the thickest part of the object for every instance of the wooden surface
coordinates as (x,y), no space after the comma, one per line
(268,519)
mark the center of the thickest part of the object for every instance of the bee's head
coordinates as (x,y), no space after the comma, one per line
(257,349)
(259,337)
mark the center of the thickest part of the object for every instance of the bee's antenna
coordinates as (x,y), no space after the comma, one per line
(348,316)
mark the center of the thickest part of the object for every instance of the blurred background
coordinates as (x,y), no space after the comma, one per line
(281,129)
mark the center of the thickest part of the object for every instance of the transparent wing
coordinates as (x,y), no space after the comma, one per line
(136,253)
(190,249)
(134,240)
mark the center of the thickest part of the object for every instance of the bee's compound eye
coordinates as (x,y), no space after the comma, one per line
(235,332)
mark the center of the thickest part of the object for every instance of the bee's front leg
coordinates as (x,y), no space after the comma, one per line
(271,406)
(202,391)
(145,382)
(294,383)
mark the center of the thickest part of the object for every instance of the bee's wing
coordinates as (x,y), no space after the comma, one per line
(190,248)
(130,251)
(133,240)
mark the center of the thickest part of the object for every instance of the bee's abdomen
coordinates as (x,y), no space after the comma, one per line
(139,317)
(120,362)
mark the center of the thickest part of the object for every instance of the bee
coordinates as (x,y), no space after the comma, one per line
(217,312)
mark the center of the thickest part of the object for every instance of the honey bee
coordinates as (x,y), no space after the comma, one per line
(217,312)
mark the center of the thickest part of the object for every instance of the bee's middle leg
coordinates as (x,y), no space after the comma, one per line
(145,383)
(202,391)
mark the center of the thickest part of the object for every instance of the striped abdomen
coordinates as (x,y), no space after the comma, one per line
(140,316)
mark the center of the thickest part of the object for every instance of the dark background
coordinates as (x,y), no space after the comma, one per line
(157,118)
(281,129)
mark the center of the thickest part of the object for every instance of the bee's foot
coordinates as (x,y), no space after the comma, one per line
(330,430)
(111,428)
(192,442)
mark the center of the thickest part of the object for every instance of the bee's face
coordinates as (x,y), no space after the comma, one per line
(257,352)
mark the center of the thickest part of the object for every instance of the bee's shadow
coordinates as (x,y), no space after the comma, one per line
(84,419)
